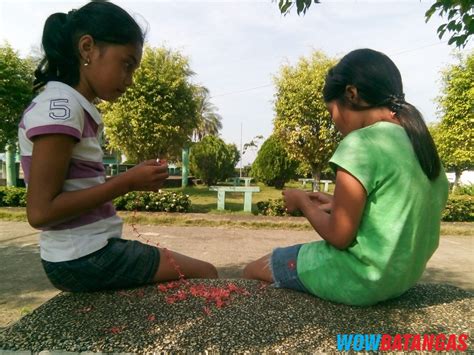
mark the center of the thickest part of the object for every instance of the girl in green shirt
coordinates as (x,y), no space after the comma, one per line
(382,224)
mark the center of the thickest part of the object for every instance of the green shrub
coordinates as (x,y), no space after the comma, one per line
(274,208)
(464,190)
(212,160)
(459,208)
(12,196)
(273,166)
(153,202)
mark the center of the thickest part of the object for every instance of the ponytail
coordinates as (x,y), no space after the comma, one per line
(61,62)
(105,22)
(423,145)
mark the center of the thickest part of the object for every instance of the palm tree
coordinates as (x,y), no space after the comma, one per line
(209,121)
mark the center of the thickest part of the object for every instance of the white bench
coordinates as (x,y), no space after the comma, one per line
(315,182)
(236,180)
(246,190)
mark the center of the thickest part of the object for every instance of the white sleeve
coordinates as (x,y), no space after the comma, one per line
(54,112)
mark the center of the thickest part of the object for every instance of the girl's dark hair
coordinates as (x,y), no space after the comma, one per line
(379,84)
(105,22)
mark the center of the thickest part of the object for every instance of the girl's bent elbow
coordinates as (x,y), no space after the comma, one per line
(35,219)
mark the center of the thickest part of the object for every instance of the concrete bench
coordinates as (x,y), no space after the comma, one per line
(236,180)
(249,317)
(246,190)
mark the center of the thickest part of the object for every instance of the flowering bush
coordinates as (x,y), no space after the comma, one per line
(12,196)
(161,201)
(274,208)
(459,208)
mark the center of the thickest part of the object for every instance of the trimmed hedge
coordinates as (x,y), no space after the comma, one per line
(153,201)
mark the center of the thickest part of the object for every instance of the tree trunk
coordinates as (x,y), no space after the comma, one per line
(316,173)
(457,179)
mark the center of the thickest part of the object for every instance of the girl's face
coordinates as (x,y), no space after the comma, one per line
(338,115)
(110,71)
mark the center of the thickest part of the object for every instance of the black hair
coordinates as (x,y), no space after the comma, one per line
(103,21)
(379,84)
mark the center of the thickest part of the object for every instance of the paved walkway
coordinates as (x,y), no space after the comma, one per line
(24,285)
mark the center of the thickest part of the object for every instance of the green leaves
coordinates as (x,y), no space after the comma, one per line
(213,160)
(273,166)
(454,135)
(302,120)
(301,5)
(16,85)
(460,15)
(156,116)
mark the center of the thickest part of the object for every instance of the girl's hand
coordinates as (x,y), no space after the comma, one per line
(147,176)
(293,199)
(322,200)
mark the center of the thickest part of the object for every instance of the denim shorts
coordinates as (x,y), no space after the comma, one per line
(283,267)
(120,264)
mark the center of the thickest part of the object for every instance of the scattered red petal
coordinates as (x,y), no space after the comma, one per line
(151,317)
(116,330)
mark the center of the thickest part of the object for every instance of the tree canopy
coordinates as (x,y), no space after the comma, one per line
(212,160)
(460,15)
(157,115)
(454,135)
(209,122)
(16,79)
(302,120)
(273,166)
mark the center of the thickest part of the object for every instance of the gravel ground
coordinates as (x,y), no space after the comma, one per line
(254,318)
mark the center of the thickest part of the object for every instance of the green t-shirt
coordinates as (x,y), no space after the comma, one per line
(399,228)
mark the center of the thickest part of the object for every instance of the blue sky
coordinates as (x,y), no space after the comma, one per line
(236,47)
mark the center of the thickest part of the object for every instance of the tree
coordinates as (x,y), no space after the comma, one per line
(213,160)
(460,19)
(460,16)
(302,121)
(16,84)
(454,135)
(273,166)
(157,115)
(209,122)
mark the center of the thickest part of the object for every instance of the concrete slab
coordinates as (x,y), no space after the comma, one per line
(24,286)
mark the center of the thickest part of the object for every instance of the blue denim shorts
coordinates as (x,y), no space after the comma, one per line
(120,264)
(283,267)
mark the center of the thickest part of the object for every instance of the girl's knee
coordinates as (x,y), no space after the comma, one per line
(209,271)
(248,272)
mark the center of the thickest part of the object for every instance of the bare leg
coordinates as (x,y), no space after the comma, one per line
(190,267)
(259,269)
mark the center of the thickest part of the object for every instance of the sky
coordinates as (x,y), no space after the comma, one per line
(235,48)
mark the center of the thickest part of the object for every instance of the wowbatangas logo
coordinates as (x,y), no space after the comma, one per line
(402,342)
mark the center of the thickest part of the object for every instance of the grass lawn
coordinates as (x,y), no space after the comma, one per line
(205,201)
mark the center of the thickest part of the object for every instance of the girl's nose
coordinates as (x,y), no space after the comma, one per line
(129,80)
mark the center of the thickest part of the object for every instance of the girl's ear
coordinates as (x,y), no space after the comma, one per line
(86,46)
(351,94)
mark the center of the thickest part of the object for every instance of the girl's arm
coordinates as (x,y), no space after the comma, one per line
(338,228)
(47,204)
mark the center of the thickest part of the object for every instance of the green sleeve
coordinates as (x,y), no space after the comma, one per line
(357,154)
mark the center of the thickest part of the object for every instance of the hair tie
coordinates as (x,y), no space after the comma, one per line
(396,102)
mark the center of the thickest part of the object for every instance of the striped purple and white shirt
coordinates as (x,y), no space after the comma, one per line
(62,110)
